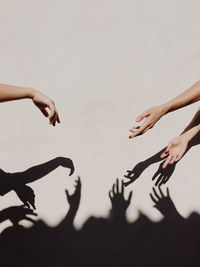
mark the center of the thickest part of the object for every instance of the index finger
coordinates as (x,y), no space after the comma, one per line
(140,130)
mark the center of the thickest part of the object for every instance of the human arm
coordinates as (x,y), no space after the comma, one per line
(43,102)
(153,114)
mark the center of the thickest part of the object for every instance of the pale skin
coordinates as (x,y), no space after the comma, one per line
(178,145)
(43,102)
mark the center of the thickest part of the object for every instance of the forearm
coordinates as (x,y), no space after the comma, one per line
(188,97)
(195,121)
(34,173)
(192,132)
(10,92)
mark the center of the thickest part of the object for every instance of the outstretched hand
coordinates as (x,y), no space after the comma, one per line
(135,173)
(46,105)
(175,150)
(74,199)
(162,176)
(151,116)
(118,201)
(163,203)
(26,195)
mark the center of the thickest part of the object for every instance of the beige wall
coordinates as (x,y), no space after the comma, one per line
(103,62)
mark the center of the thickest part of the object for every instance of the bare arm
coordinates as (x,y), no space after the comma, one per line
(153,114)
(10,92)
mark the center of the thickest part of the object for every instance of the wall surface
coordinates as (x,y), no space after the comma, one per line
(103,62)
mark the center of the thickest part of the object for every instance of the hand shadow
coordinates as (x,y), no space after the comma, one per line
(163,203)
(118,200)
(17,181)
(162,175)
(16,214)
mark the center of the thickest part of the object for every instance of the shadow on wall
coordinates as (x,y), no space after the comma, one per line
(174,241)
(161,176)
(17,181)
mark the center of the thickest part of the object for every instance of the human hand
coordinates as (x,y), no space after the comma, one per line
(74,199)
(135,173)
(152,115)
(162,176)
(43,102)
(26,195)
(18,213)
(118,201)
(163,203)
(175,149)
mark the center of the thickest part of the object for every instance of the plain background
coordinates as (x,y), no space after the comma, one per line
(103,62)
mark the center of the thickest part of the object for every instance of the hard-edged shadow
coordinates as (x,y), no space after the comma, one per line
(17,181)
(162,175)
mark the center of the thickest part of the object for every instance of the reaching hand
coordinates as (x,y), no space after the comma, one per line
(26,195)
(67,163)
(118,201)
(152,115)
(175,150)
(162,176)
(135,173)
(74,199)
(163,203)
(18,213)
(43,103)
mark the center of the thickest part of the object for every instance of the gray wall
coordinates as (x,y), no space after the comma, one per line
(103,62)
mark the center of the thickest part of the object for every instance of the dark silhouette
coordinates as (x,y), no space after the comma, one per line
(161,176)
(17,181)
(112,241)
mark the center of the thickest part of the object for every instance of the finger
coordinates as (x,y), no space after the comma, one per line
(162,181)
(140,130)
(153,199)
(122,188)
(113,189)
(155,193)
(53,121)
(134,127)
(166,179)
(178,157)
(148,128)
(52,109)
(117,186)
(169,147)
(110,195)
(67,193)
(29,219)
(141,116)
(130,197)
(155,175)
(172,160)
(71,170)
(161,192)
(168,192)
(127,183)
(164,154)
(58,118)
(33,205)
(45,112)
(129,175)
(159,179)
(166,162)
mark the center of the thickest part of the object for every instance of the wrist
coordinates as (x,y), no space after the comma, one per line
(165,108)
(31,92)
